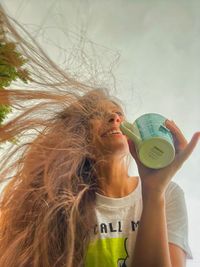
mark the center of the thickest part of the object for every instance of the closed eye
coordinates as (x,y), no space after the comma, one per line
(119,113)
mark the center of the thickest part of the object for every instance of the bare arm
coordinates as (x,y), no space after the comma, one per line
(152,248)
(152,238)
(177,255)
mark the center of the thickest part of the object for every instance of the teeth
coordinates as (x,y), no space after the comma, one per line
(113,132)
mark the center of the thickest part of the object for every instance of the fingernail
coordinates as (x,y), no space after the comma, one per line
(167,121)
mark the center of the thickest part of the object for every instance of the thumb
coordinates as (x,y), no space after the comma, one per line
(133,151)
(187,151)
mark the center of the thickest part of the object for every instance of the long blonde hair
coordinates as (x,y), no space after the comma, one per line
(47,208)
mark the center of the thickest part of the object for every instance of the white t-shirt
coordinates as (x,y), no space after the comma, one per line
(113,239)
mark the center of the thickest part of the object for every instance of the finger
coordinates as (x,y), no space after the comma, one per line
(180,141)
(132,148)
(185,153)
(133,151)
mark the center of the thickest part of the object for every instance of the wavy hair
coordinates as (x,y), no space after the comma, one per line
(47,204)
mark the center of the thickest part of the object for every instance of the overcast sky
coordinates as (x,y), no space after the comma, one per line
(159,66)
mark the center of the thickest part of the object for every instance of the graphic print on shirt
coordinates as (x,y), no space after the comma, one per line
(108,252)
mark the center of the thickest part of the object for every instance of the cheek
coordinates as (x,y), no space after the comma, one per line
(95,140)
(95,126)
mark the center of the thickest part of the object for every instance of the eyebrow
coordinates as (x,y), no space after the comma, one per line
(119,108)
(116,104)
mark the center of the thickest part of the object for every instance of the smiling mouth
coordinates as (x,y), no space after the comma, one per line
(112,133)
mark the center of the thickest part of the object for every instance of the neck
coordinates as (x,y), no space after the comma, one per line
(114,180)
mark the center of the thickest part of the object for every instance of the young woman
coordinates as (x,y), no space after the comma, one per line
(71,201)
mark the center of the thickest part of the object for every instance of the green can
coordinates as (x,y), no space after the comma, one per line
(153,141)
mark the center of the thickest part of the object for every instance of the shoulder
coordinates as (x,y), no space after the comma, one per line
(177,218)
(174,187)
(175,203)
(174,192)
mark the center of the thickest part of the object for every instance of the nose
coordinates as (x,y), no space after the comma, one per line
(114,117)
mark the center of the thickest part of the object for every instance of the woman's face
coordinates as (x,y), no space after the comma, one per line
(107,138)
